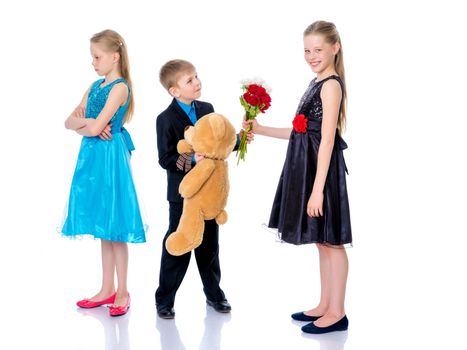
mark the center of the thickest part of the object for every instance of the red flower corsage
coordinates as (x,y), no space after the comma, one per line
(300,123)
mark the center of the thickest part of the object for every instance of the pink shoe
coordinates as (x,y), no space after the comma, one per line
(120,310)
(88,304)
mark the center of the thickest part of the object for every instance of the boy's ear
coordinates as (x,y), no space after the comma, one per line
(173,91)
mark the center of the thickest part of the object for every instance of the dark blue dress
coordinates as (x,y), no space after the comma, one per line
(288,213)
(103,201)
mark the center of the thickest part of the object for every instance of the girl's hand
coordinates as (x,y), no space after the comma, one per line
(199,157)
(105,134)
(79,112)
(315,204)
(254,125)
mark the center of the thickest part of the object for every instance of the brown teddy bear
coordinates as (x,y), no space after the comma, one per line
(206,187)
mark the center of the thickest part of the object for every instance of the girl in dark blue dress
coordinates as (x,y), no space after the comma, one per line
(311,203)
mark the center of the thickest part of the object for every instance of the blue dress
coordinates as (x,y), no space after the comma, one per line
(103,201)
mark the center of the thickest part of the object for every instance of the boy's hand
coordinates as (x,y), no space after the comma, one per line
(105,134)
(198,157)
(249,137)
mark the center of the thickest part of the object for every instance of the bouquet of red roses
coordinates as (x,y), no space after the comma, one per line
(255,100)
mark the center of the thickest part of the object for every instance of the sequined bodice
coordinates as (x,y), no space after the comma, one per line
(98,97)
(310,104)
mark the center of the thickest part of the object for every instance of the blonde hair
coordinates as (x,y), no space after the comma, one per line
(170,72)
(111,41)
(329,31)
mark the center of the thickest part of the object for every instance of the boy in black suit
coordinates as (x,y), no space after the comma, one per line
(180,79)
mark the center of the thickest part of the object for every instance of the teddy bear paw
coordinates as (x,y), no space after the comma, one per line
(177,244)
(221,219)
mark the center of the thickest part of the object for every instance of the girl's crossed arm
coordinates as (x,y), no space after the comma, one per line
(117,97)
(76,119)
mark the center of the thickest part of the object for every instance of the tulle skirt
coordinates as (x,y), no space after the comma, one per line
(103,201)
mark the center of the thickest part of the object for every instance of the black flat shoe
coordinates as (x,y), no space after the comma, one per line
(222,306)
(340,325)
(165,312)
(300,316)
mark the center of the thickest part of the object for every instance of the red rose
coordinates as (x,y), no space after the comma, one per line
(256,89)
(251,99)
(300,123)
(257,95)
(265,101)
(255,100)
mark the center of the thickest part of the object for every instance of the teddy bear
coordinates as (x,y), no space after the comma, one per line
(205,187)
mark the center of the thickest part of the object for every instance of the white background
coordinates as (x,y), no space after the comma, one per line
(405,72)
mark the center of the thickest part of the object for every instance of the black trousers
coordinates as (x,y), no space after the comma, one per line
(173,268)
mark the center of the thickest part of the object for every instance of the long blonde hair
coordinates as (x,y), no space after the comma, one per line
(113,42)
(329,31)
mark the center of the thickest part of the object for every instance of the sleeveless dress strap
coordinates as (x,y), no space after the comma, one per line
(116,81)
(97,84)
(335,77)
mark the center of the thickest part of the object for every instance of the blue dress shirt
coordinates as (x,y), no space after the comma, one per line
(189,110)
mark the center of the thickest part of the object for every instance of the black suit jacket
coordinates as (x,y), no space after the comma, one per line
(170,126)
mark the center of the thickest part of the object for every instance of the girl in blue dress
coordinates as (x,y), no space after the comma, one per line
(103,201)
(311,203)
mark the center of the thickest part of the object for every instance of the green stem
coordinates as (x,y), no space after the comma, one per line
(242,147)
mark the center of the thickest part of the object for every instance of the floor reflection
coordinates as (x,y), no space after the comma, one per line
(213,322)
(329,341)
(169,336)
(115,328)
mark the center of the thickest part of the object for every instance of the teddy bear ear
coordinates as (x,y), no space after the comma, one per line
(217,126)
